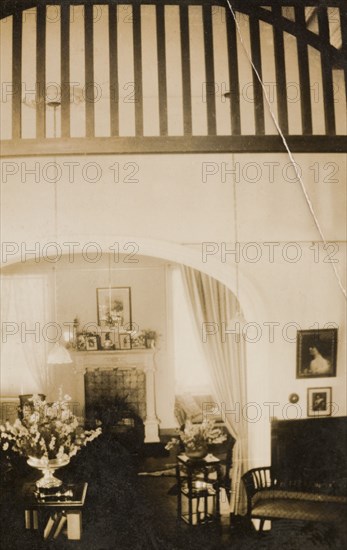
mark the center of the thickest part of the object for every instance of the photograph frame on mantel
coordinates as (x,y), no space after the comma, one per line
(125,341)
(319,402)
(114,307)
(91,343)
(316,353)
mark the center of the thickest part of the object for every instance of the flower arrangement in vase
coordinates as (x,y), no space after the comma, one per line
(48,434)
(197,437)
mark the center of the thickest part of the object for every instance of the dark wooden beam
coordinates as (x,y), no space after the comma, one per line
(233,68)
(114,82)
(17,76)
(327,74)
(138,70)
(209,71)
(304,74)
(280,68)
(343,21)
(168,145)
(186,84)
(65,70)
(161,54)
(89,69)
(257,87)
(41,72)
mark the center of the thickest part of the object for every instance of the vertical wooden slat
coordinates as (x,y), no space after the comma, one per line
(304,74)
(233,75)
(17,75)
(89,69)
(65,70)
(186,83)
(138,69)
(209,68)
(114,83)
(161,53)
(327,74)
(41,72)
(343,22)
(257,89)
(280,69)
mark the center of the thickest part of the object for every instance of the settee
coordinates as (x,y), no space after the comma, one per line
(269,498)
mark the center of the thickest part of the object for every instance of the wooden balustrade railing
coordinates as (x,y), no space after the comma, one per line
(286,17)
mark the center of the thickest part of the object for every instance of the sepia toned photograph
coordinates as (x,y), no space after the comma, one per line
(173,252)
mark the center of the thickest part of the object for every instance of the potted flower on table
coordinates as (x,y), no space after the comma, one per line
(197,437)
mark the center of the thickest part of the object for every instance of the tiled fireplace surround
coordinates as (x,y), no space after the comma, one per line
(130,374)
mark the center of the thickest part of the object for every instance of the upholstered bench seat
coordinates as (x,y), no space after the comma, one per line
(270,499)
(272,504)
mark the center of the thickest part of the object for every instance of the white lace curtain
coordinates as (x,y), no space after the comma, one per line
(212,302)
(24,307)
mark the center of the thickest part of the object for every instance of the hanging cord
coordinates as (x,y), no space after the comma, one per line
(109,287)
(236,241)
(292,160)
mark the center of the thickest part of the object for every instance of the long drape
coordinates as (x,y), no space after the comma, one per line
(23,346)
(213,305)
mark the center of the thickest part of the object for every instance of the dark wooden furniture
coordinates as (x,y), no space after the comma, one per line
(308,477)
(199,483)
(44,511)
(311,452)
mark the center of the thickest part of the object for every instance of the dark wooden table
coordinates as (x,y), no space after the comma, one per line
(55,508)
(199,483)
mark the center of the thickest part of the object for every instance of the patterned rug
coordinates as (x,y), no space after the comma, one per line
(170,471)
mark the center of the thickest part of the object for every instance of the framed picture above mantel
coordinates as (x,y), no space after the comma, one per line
(114,307)
(316,353)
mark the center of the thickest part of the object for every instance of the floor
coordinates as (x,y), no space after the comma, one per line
(124,511)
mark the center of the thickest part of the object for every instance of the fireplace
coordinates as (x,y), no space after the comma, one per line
(127,375)
(103,386)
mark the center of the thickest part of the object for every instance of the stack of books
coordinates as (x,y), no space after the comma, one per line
(54,525)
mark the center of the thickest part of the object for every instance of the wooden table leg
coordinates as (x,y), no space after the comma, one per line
(31,519)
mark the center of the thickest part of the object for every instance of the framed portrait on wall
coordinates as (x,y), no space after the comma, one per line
(316,352)
(319,401)
(114,307)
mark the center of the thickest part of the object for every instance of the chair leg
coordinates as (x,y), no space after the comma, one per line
(261,525)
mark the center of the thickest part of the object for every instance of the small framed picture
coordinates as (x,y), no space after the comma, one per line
(319,401)
(138,342)
(316,352)
(125,341)
(109,339)
(91,343)
(81,342)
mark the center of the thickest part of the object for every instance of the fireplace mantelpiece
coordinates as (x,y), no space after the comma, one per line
(140,359)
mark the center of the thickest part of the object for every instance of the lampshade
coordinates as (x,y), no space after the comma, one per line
(59,355)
